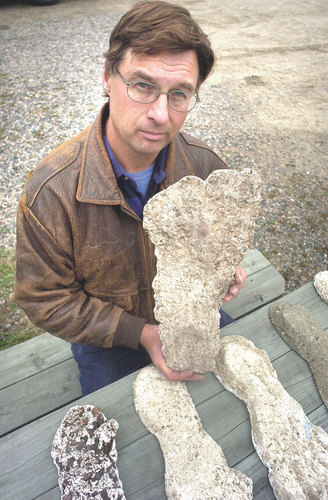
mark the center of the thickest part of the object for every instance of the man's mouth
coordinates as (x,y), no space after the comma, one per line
(153,135)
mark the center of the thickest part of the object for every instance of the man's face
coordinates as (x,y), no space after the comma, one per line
(137,132)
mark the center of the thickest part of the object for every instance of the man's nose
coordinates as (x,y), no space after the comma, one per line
(159,109)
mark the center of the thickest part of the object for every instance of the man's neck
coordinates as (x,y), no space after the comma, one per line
(130,161)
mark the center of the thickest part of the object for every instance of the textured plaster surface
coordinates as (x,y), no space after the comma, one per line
(201,231)
(195,467)
(295,451)
(85,455)
(302,332)
(321,284)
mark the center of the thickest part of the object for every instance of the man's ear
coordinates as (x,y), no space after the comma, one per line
(107,82)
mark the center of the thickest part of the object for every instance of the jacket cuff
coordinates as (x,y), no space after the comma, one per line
(128,331)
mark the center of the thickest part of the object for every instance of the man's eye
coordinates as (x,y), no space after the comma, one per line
(147,87)
(178,95)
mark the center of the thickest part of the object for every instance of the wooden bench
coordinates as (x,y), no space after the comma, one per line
(40,375)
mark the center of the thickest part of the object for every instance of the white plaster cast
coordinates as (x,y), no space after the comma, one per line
(201,231)
(321,284)
(294,450)
(195,467)
(303,333)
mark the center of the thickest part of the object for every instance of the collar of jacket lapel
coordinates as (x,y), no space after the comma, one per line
(97,181)
(177,163)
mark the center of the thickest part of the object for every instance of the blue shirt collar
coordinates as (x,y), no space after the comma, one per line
(129,187)
(159,168)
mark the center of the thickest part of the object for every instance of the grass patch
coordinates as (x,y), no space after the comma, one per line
(15,327)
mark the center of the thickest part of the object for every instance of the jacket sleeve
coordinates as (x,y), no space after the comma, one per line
(48,291)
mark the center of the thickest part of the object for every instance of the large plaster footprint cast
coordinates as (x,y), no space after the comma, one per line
(295,451)
(201,231)
(195,467)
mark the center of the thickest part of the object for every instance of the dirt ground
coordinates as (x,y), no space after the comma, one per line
(272,58)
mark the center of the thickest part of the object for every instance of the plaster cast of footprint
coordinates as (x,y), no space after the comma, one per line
(295,451)
(201,231)
(195,467)
(321,284)
(85,455)
(302,332)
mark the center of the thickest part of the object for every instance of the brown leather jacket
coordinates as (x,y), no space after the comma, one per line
(84,263)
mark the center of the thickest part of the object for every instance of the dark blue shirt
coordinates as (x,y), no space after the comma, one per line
(129,187)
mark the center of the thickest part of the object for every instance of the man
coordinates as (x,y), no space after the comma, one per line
(84,264)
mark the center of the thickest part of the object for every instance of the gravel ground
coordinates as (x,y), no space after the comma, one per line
(51,68)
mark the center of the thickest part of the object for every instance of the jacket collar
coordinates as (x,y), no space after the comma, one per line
(97,182)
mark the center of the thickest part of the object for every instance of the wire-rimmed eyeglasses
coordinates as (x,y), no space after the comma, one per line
(146,93)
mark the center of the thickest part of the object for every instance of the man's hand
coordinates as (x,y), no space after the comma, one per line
(151,341)
(234,289)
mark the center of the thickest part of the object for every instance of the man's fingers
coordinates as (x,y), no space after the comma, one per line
(240,275)
(232,293)
(176,376)
(150,339)
(240,278)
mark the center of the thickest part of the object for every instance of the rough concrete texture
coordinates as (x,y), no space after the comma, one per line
(201,231)
(85,455)
(195,467)
(321,284)
(295,451)
(302,332)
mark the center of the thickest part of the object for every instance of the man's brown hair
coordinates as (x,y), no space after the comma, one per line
(155,27)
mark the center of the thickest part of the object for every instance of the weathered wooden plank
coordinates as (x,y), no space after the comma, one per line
(53,494)
(254,468)
(35,396)
(319,417)
(254,261)
(30,357)
(152,491)
(260,288)
(139,458)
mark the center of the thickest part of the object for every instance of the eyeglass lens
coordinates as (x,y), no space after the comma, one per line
(146,93)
